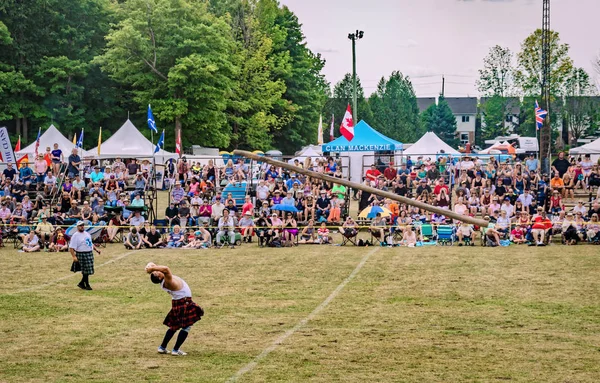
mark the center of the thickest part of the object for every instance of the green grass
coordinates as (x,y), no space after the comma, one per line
(441,314)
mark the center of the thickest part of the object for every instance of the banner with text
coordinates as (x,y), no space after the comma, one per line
(6,150)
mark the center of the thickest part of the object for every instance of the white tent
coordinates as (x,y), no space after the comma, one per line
(128,142)
(430,144)
(593,148)
(312,151)
(48,138)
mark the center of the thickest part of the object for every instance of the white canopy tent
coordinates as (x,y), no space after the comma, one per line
(593,149)
(128,142)
(430,144)
(312,151)
(48,138)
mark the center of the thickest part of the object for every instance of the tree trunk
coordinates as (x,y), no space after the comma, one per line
(565,131)
(18,126)
(25,130)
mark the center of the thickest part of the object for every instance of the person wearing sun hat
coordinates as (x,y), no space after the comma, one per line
(81,248)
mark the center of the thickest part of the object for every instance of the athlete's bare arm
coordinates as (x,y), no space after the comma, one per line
(172,282)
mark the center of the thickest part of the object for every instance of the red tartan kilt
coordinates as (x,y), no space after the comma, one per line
(184,313)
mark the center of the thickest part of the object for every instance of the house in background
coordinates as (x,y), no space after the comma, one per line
(513,111)
(465,112)
(425,102)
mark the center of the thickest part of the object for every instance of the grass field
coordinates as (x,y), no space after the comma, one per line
(443,314)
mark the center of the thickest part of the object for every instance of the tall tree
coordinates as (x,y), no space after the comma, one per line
(440,120)
(580,110)
(176,56)
(395,110)
(495,111)
(528,76)
(341,98)
(496,77)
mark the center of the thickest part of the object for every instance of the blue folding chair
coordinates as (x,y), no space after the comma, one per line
(445,235)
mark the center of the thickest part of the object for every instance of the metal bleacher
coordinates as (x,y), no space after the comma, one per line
(238,191)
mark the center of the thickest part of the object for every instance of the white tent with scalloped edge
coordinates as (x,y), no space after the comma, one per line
(128,142)
(430,144)
(48,138)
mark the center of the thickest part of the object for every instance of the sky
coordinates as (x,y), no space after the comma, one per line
(427,38)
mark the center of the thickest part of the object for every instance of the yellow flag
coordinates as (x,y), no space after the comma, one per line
(74,139)
(99,140)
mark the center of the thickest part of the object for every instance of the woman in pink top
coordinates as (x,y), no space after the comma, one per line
(248,206)
(40,166)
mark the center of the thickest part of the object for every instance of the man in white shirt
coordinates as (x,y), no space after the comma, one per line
(49,183)
(137,220)
(580,208)
(526,198)
(226,226)
(262,191)
(217,210)
(81,248)
(507,207)
(503,223)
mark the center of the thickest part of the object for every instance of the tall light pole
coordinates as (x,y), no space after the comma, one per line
(354,36)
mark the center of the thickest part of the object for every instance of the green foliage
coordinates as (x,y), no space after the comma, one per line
(495,79)
(395,110)
(440,120)
(340,99)
(528,75)
(493,122)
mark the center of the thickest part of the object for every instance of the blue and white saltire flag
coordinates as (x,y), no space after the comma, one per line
(540,115)
(151,122)
(80,140)
(161,142)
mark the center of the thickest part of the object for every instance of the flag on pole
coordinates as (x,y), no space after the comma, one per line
(347,126)
(161,142)
(17,149)
(331,137)
(320,131)
(151,122)
(99,140)
(80,140)
(178,143)
(74,139)
(540,115)
(37,142)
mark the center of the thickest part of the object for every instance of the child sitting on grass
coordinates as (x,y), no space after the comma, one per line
(323,236)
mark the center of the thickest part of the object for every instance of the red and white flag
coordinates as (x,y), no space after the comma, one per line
(178,143)
(18,149)
(347,127)
(331,136)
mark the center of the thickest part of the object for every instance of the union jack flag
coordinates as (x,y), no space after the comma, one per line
(540,115)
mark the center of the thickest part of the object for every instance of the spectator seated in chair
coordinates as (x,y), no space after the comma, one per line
(593,230)
(226,227)
(378,227)
(350,228)
(540,228)
(323,237)
(247,227)
(176,238)
(263,229)
(465,234)
(308,234)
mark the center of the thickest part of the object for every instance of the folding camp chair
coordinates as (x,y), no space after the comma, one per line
(349,238)
(426,232)
(445,234)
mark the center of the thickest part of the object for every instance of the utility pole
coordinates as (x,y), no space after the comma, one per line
(354,36)
(545,133)
(443,85)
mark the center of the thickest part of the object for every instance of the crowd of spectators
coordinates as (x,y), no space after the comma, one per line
(282,208)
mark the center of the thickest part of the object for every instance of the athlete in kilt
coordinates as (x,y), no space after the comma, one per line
(81,248)
(184,312)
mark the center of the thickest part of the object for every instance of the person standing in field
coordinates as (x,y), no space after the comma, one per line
(184,312)
(81,248)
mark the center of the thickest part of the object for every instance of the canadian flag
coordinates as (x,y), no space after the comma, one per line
(178,143)
(24,158)
(347,127)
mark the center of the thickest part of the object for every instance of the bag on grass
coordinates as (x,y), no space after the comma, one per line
(75,267)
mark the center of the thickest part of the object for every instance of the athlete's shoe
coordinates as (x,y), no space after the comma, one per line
(81,286)
(178,353)
(162,350)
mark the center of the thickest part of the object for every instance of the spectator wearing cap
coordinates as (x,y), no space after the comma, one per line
(100,210)
(171,214)
(96,176)
(137,220)
(137,201)
(233,210)
(264,209)
(288,200)
(183,214)
(569,229)
(323,205)
(508,207)
(177,194)
(247,227)
(204,212)
(441,184)
(423,186)
(289,184)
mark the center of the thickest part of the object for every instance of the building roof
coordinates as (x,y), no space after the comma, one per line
(513,104)
(462,105)
(425,102)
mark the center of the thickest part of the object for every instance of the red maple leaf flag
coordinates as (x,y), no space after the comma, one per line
(347,127)
(178,143)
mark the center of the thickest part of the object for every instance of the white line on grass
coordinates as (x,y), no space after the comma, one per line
(250,366)
(36,287)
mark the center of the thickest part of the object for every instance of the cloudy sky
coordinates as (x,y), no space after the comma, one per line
(428,38)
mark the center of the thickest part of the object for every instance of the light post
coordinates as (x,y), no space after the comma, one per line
(354,36)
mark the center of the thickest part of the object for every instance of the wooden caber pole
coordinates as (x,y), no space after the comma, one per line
(341,181)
